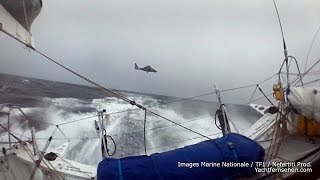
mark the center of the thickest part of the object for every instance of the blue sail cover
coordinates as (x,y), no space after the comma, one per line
(209,159)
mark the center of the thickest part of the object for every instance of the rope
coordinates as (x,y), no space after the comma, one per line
(38,162)
(10,133)
(179,125)
(306,72)
(29,152)
(272,139)
(310,47)
(63,133)
(86,79)
(310,82)
(254,92)
(76,120)
(265,96)
(42,138)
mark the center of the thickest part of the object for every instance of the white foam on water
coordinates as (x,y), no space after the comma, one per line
(161,134)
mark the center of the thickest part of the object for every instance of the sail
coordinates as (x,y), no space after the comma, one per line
(16,17)
(224,158)
(306,100)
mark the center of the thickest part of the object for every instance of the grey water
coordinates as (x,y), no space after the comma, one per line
(50,103)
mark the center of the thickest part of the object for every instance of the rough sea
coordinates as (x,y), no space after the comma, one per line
(49,103)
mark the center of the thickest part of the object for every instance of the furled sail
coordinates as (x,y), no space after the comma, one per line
(229,157)
(306,100)
(16,17)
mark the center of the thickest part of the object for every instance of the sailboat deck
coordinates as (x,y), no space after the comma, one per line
(295,148)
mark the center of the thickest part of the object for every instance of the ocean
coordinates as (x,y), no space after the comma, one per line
(74,109)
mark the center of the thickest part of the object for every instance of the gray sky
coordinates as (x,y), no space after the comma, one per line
(192,44)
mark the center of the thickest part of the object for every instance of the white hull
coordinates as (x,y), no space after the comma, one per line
(20,163)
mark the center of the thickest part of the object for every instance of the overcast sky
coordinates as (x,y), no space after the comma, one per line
(192,43)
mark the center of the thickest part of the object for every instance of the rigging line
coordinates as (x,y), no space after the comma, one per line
(223,90)
(178,124)
(84,78)
(206,94)
(42,138)
(76,120)
(63,133)
(265,96)
(236,88)
(116,112)
(310,82)
(254,92)
(188,98)
(315,72)
(54,131)
(277,135)
(272,137)
(267,79)
(40,158)
(21,136)
(310,47)
(212,92)
(306,72)
(29,152)
(283,39)
(4,31)
(10,133)
(297,74)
